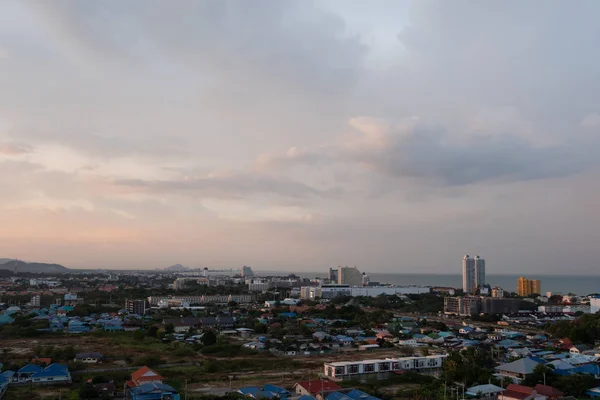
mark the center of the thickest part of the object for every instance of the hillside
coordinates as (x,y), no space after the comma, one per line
(22,266)
(5,260)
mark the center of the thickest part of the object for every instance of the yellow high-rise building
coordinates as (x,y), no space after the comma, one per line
(527,287)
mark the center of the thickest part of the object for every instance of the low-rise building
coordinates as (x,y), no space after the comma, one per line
(345,370)
(89,358)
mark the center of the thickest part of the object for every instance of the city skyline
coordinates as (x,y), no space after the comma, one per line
(290,135)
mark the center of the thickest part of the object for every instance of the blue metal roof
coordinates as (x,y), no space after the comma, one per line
(151,387)
(30,369)
(52,370)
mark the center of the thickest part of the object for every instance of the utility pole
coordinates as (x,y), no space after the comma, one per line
(185,393)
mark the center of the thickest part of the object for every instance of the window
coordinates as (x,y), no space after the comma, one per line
(369,368)
(384,366)
(396,366)
(353,369)
(339,370)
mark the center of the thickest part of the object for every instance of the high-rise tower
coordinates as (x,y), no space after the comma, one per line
(468,274)
(479,278)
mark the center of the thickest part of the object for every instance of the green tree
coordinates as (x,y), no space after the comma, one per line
(169,328)
(209,338)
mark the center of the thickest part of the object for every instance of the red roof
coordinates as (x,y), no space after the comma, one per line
(511,394)
(548,391)
(513,387)
(145,374)
(314,387)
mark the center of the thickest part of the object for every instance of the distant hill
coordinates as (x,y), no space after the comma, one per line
(22,266)
(5,260)
(177,267)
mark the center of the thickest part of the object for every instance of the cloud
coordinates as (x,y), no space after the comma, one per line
(12,149)
(429,154)
(232,186)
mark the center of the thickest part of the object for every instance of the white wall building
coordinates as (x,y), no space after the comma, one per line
(345,370)
(594,304)
(349,276)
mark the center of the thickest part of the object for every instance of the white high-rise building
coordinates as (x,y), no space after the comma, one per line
(479,278)
(468,274)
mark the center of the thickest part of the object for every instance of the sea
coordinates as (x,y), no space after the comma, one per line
(577,284)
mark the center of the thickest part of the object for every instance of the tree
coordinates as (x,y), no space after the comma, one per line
(424,351)
(169,328)
(152,331)
(209,338)
(260,328)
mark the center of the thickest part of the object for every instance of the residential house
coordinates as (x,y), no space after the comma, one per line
(266,392)
(144,375)
(466,330)
(487,391)
(153,391)
(539,392)
(314,387)
(183,324)
(518,369)
(208,323)
(3,385)
(52,374)
(225,322)
(106,389)
(25,373)
(76,326)
(90,358)
(320,336)
(579,349)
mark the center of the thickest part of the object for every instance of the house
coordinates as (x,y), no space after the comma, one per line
(484,391)
(106,389)
(314,387)
(518,369)
(24,374)
(539,392)
(225,322)
(579,349)
(153,391)
(208,322)
(182,324)
(279,391)
(52,374)
(144,375)
(91,358)
(76,326)
(3,385)
(466,330)
(320,336)
(267,392)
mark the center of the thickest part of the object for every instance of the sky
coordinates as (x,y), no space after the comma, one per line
(395,136)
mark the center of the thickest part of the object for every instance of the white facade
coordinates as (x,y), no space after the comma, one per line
(594,304)
(354,369)
(468,274)
(349,276)
(374,291)
(257,285)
